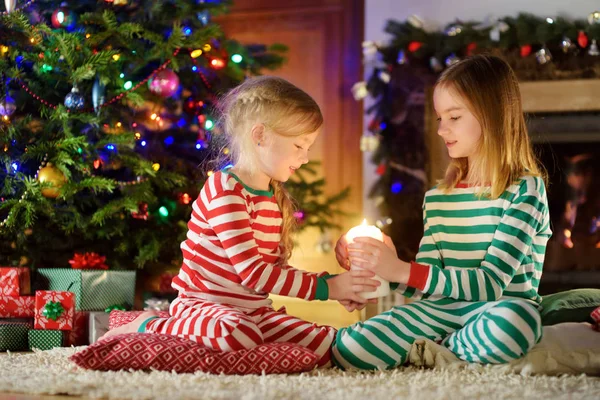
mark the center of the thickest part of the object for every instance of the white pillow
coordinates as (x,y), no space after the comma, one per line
(569,348)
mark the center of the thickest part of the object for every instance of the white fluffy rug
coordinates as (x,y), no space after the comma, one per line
(50,372)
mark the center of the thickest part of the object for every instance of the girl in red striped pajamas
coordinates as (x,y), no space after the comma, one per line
(240,234)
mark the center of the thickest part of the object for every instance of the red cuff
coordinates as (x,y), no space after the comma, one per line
(418,275)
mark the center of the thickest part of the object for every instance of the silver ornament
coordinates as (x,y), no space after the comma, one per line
(384,76)
(415,21)
(435,64)
(543,55)
(593,50)
(10,5)
(98,91)
(594,18)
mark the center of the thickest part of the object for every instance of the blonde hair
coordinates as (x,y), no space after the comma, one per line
(282,108)
(490,90)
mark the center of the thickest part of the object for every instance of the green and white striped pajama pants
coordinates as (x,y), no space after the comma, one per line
(484,332)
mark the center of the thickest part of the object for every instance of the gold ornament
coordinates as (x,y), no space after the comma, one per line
(120,2)
(54,176)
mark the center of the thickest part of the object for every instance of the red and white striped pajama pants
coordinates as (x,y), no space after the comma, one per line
(226,328)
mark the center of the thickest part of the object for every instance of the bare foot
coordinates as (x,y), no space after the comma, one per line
(130,327)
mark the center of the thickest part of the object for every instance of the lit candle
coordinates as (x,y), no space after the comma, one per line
(365,230)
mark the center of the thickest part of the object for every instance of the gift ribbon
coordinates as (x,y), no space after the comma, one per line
(53,310)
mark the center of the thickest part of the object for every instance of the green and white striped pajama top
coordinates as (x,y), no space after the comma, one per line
(475,281)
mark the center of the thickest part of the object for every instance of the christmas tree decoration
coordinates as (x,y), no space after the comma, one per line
(142,212)
(471,47)
(414,46)
(381,168)
(594,18)
(368,143)
(203,17)
(582,39)
(498,28)
(54,176)
(89,260)
(120,2)
(74,100)
(63,18)
(300,216)
(10,5)
(384,76)
(217,63)
(593,50)
(401,59)
(164,83)
(7,106)
(525,50)
(359,90)
(98,93)
(543,55)
(451,59)
(454,30)
(566,44)
(435,64)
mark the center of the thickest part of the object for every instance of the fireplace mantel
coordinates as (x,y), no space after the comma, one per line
(537,96)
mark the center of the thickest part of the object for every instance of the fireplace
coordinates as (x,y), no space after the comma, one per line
(564,124)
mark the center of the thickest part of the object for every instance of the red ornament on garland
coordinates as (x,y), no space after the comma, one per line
(164,83)
(582,39)
(88,261)
(525,50)
(381,169)
(414,46)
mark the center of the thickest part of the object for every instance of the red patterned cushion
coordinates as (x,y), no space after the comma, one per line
(118,317)
(146,351)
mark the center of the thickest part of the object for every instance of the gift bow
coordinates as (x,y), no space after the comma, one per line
(53,310)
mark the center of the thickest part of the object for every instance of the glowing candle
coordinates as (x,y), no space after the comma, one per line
(365,230)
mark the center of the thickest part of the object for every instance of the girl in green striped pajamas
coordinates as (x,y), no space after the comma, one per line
(476,276)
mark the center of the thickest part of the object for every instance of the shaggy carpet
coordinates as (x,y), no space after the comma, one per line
(50,372)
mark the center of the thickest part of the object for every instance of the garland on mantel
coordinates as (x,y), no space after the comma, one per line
(537,49)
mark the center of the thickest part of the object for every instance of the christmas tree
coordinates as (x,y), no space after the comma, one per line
(108,128)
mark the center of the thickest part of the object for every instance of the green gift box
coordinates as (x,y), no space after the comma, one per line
(45,340)
(95,290)
(13,335)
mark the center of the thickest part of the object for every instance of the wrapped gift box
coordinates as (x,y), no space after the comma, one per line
(15,281)
(95,290)
(79,335)
(17,307)
(45,340)
(47,299)
(13,335)
(98,325)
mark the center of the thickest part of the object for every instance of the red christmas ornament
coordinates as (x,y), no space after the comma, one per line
(471,48)
(381,169)
(88,261)
(374,125)
(414,46)
(582,39)
(142,212)
(165,83)
(525,50)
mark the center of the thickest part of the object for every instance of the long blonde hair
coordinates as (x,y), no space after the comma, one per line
(490,89)
(282,108)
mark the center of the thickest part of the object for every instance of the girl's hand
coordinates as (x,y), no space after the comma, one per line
(373,255)
(345,286)
(341,250)
(350,305)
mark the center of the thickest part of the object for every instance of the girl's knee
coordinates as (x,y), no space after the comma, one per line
(351,349)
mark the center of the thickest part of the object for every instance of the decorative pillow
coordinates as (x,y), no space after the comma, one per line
(570,306)
(596,317)
(148,351)
(118,317)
